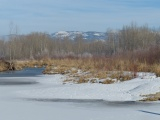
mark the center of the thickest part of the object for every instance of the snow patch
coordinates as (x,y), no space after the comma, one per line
(122,91)
(97,34)
(62,34)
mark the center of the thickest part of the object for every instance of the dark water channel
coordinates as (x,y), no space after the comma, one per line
(20,77)
(26,72)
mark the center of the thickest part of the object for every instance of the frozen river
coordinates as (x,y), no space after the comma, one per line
(14,106)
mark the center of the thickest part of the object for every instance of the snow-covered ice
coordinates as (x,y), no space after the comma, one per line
(121,91)
(51,99)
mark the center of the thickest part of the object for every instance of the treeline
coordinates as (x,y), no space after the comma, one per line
(131,41)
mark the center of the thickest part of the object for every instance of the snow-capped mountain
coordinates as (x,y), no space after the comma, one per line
(90,35)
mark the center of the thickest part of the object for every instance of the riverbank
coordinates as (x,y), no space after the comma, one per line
(97,72)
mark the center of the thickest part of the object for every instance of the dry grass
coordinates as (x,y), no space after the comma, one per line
(121,76)
(100,66)
(156,69)
(152,97)
(108,81)
(100,74)
(82,80)
(3,66)
(69,80)
(96,67)
(91,67)
(93,80)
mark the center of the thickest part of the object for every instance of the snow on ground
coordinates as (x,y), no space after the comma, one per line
(53,88)
(14,106)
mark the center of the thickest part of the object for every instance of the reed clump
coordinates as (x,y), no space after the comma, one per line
(3,66)
(151,97)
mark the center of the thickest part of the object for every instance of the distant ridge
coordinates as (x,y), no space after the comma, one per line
(89,35)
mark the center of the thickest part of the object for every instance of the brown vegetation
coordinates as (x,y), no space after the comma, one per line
(3,66)
(86,70)
(151,97)
(6,66)
(107,81)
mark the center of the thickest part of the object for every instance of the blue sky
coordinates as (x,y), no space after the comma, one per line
(81,15)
